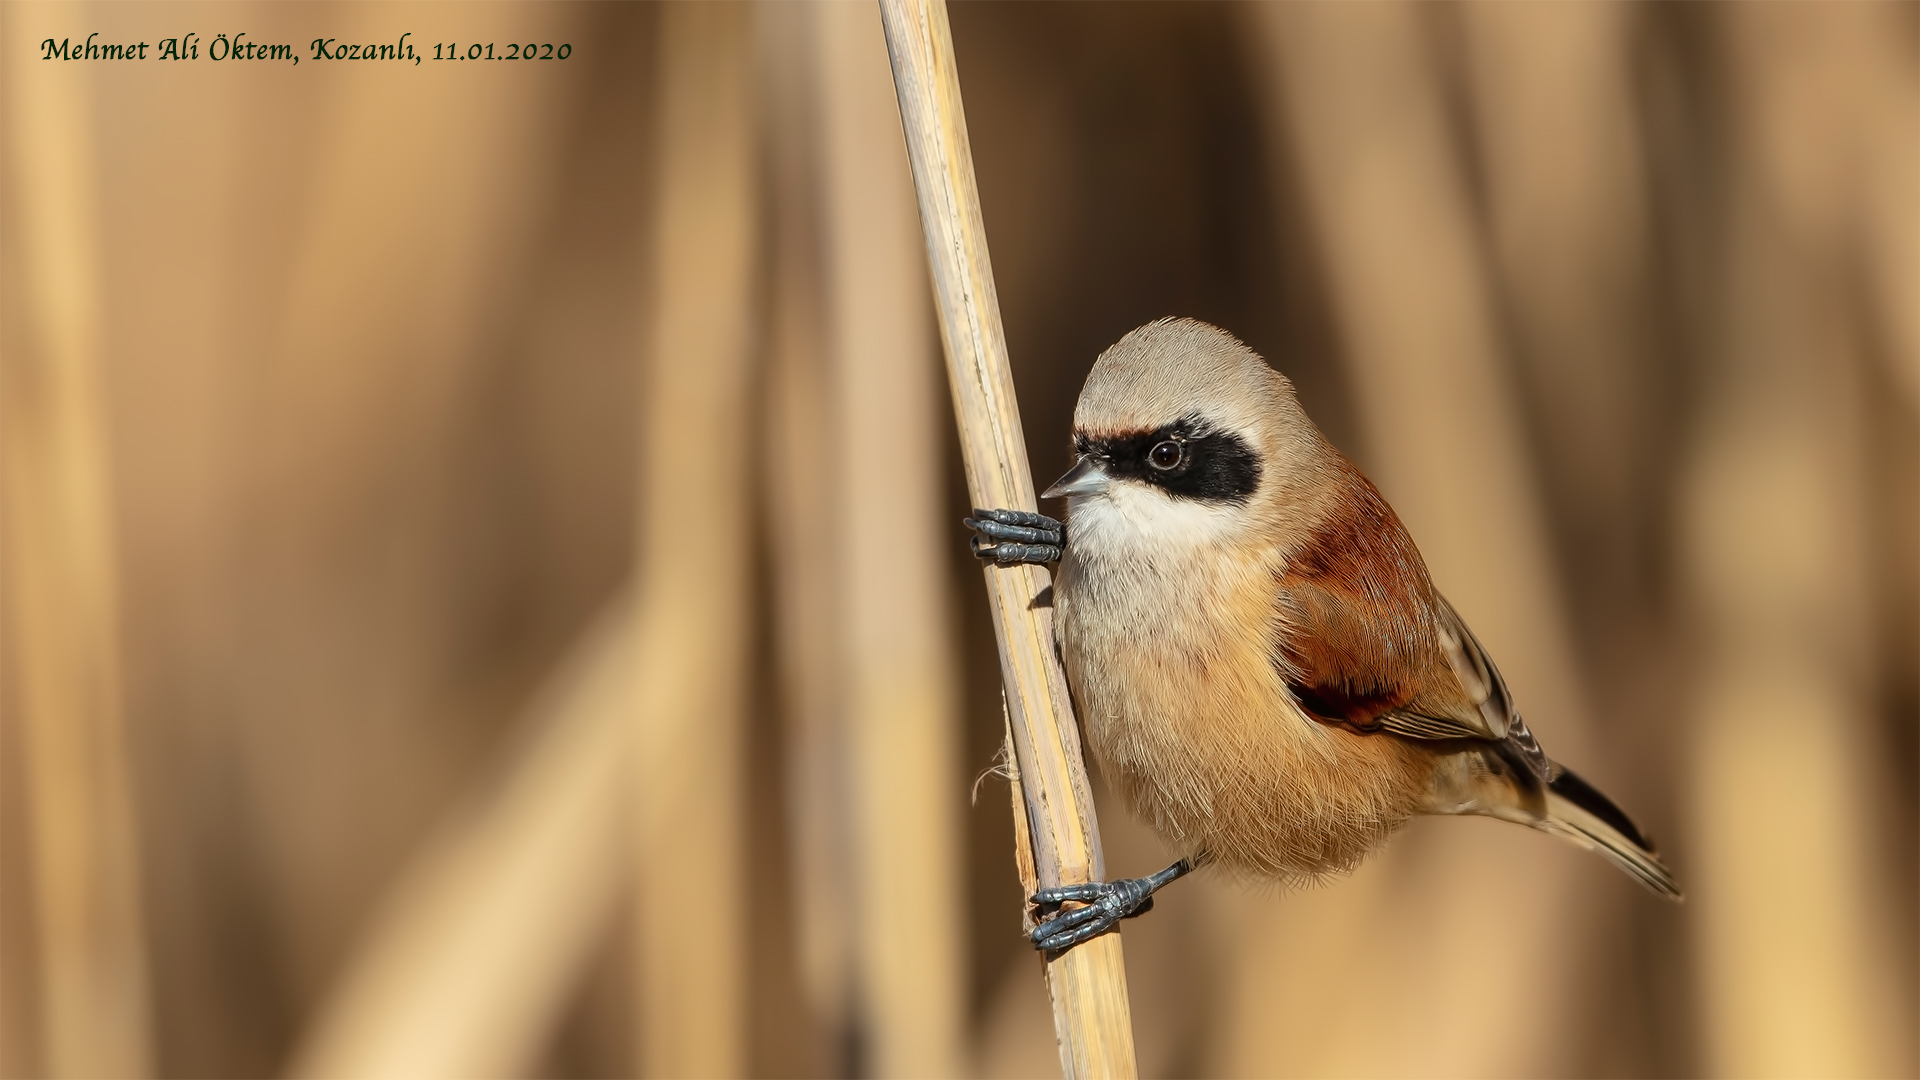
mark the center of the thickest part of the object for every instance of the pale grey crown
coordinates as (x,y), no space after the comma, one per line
(1177,368)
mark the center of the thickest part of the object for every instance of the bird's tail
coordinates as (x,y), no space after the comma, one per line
(1578,812)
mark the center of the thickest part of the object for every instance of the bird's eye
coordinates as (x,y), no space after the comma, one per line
(1165,455)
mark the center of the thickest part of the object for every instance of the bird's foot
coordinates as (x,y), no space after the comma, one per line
(1107,902)
(1012,537)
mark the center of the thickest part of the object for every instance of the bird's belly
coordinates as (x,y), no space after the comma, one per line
(1192,723)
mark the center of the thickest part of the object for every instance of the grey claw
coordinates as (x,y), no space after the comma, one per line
(1107,903)
(1064,931)
(993,530)
(1017,517)
(1013,537)
(1061,894)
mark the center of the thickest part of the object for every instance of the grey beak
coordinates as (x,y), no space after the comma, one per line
(1085,478)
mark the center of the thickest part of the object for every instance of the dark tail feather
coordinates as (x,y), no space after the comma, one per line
(1577,811)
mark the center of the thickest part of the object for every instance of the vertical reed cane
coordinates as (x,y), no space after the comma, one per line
(57,533)
(694,558)
(1088,983)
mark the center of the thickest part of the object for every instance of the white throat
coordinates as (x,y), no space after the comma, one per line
(1139,523)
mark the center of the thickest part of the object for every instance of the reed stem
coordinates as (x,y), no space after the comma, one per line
(1087,984)
(62,611)
(694,558)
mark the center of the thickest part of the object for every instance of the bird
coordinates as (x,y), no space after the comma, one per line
(1263,667)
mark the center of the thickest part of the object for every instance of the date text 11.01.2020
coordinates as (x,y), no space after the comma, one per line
(510,51)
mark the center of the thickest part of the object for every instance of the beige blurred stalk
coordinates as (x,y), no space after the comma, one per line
(1088,984)
(1793,970)
(374,326)
(483,940)
(1567,215)
(897,645)
(804,527)
(694,568)
(863,618)
(1566,200)
(61,607)
(1356,91)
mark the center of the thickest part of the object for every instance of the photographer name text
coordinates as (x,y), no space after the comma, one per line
(242,47)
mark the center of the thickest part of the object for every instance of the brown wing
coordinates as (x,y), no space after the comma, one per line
(1368,643)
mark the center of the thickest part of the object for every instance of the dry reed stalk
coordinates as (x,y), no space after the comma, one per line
(803,523)
(1567,204)
(481,943)
(1088,983)
(62,617)
(1787,792)
(1357,91)
(1569,222)
(899,683)
(694,564)
(1569,227)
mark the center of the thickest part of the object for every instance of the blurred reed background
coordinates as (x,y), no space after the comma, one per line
(483,591)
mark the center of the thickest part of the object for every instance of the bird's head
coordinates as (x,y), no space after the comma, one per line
(1183,435)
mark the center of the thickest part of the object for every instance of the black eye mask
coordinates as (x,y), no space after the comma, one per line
(1211,465)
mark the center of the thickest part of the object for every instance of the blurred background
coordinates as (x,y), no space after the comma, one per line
(483,589)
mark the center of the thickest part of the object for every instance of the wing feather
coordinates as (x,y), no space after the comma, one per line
(1367,642)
